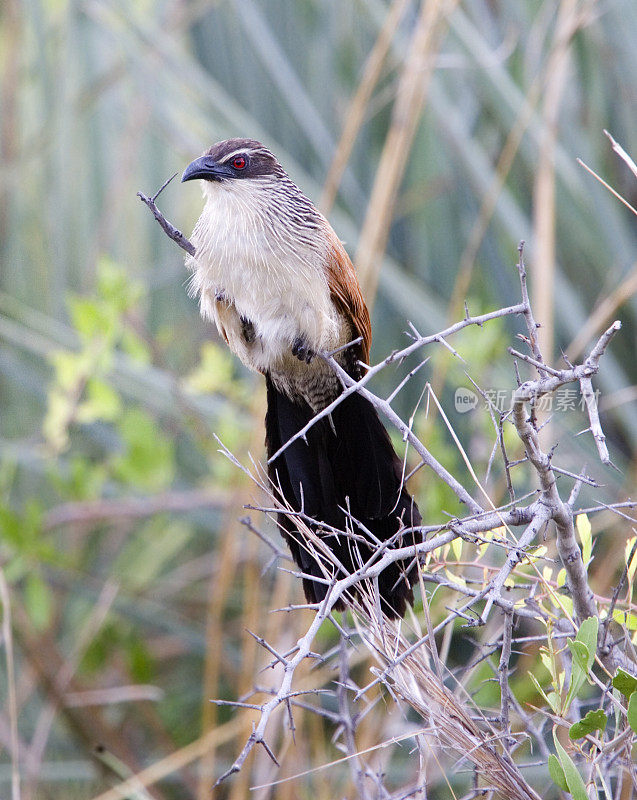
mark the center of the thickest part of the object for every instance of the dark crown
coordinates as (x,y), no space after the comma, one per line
(260,162)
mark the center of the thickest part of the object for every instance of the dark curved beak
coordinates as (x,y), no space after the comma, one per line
(207,169)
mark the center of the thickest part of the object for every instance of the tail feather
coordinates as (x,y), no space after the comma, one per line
(345,474)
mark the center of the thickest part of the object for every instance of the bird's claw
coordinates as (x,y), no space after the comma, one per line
(302,350)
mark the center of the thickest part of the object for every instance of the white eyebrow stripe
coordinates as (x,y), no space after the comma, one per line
(234,153)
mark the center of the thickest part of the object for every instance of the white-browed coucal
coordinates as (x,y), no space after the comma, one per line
(270,271)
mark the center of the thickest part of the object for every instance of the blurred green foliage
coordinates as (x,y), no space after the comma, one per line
(111,386)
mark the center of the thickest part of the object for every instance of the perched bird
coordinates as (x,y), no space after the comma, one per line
(270,271)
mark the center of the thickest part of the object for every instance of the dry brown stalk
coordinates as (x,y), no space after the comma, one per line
(410,98)
(569,18)
(356,111)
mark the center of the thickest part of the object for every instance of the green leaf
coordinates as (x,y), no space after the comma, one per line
(632,711)
(588,635)
(567,604)
(135,347)
(115,288)
(574,780)
(631,621)
(547,661)
(580,654)
(557,773)
(633,564)
(456,548)
(625,618)
(593,721)
(625,682)
(583,649)
(55,423)
(22,532)
(10,526)
(102,647)
(555,701)
(578,671)
(70,368)
(83,480)
(586,536)
(536,683)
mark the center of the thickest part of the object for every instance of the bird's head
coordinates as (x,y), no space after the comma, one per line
(235,160)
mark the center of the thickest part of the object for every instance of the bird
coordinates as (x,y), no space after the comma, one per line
(270,271)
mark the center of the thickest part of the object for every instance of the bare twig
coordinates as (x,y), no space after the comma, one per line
(169,229)
(588,394)
(387,411)
(540,518)
(503,672)
(531,325)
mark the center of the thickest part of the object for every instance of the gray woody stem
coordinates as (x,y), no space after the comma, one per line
(561,512)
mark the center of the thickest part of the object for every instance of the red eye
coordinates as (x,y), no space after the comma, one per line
(239,162)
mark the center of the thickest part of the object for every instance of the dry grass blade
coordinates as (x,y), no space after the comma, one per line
(449,724)
(622,154)
(607,186)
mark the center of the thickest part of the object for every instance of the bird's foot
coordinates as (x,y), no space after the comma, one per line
(302,350)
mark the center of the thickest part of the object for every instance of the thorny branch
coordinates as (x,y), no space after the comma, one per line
(405,665)
(561,512)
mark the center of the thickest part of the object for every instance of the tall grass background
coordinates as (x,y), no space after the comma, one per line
(435,138)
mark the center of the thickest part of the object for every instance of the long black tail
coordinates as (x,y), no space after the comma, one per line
(346,462)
